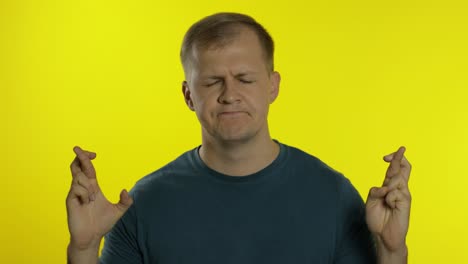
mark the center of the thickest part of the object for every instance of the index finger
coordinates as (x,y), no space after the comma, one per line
(395,163)
(405,168)
(75,166)
(85,163)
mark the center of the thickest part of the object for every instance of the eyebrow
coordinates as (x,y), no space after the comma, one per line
(243,74)
(239,75)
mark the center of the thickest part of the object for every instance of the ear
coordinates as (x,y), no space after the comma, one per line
(275,79)
(187,95)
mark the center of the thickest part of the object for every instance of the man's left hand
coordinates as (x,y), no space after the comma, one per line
(388,207)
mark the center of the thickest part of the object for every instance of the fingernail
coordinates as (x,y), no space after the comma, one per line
(93,197)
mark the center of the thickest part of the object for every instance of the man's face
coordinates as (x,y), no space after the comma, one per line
(230,89)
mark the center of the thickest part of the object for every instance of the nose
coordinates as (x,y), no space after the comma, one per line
(229,93)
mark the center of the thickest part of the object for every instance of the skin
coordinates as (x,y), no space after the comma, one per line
(388,209)
(230,90)
(90,215)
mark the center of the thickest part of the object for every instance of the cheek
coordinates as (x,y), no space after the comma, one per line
(260,101)
(198,100)
(204,105)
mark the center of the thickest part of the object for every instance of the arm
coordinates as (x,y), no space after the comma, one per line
(385,256)
(75,255)
(355,244)
(388,211)
(90,214)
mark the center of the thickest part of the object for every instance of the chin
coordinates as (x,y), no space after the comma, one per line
(236,136)
(233,133)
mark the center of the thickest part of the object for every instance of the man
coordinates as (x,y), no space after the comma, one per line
(240,197)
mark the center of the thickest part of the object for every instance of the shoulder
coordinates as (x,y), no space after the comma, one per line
(311,165)
(312,171)
(303,158)
(167,177)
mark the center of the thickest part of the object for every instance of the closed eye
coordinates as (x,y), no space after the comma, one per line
(213,83)
(245,81)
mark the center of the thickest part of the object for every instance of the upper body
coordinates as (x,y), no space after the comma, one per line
(296,210)
(230,83)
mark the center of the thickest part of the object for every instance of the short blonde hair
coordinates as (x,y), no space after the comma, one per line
(221,28)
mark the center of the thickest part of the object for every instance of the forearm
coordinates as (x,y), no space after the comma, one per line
(83,256)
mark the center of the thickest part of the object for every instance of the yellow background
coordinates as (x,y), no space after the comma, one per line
(359,79)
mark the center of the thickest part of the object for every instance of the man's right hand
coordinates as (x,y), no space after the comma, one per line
(90,214)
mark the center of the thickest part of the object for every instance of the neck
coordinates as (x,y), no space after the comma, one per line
(239,158)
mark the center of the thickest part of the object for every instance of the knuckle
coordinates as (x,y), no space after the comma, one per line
(76,193)
(393,194)
(75,181)
(80,175)
(389,199)
(82,180)
(75,188)
(81,158)
(401,183)
(78,189)
(73,167)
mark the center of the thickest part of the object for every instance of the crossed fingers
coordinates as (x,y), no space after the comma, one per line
(396,178)
(83,173)
(398,164)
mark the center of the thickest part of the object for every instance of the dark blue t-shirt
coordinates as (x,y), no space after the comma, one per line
(297,210)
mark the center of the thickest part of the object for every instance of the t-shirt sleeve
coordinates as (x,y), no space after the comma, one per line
(120,244)
(354,240)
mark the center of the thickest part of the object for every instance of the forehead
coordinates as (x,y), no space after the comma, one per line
(243,52)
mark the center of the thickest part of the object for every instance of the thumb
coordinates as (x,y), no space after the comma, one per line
(376,193)
(125,201)
(388,157)
(91,155)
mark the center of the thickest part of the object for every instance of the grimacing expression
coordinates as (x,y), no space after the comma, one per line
(230,88)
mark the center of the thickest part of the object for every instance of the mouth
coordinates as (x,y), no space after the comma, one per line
(231,113)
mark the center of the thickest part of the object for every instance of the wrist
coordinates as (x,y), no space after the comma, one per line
(81,246)
(391,256)
(77,254)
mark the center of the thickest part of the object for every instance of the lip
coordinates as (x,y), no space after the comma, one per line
(231,113)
